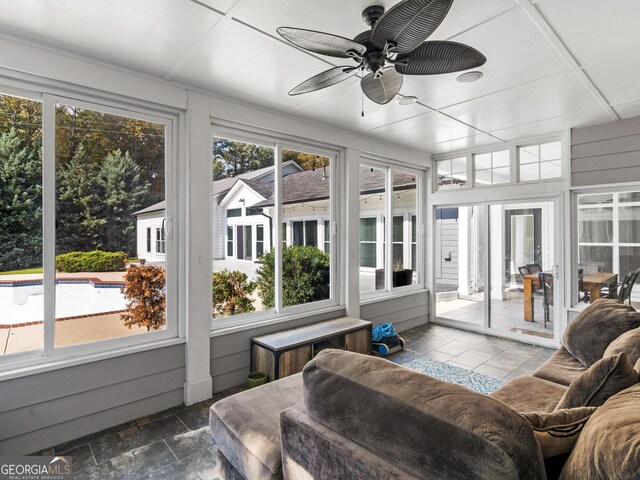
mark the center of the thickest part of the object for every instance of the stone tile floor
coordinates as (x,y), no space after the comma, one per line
(176,445)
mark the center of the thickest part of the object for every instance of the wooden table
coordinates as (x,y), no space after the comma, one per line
(593,282)
(284,353)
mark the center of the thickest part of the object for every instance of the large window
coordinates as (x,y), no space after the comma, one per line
(76,259)
(255,188)
(388,193)
(609,232)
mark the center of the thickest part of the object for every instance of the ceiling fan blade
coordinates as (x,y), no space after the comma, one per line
(435,57)
(324,79)
(409,23)
(323,43)
(383,88)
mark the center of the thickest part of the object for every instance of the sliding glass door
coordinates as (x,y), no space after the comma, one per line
(496,267)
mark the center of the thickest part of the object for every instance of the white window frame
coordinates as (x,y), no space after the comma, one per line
(493,168)
(389,212)
(50,355)
(539,162)
(450,186)
(281,142)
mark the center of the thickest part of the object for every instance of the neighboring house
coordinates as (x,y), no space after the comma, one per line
(243,216)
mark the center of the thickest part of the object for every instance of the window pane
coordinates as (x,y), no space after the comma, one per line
(550,169)
(404,207)
(459,180)
(444,167)
(528,154)
(550,151)
(501,175)
(596,256)
(482,161)
(629,224)
(529,172)
(21,289)
(297,231)
(398,229)
(629,197)
(372,206)
(110,187)
(501,158)
(306,188)
(327,236)
(459,165)
(595,225)
(595,199)
(483,177)
(629,260)
(238,211)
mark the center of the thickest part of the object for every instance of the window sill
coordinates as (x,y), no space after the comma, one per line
(275,319)
(36,365)
(396,294)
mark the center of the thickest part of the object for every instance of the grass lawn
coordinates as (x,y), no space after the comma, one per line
(26,270)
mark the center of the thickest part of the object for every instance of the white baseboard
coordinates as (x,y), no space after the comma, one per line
(198,390)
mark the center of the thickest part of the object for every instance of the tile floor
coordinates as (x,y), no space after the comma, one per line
(176,445)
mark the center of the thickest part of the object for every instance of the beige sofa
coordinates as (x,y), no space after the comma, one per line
(354,416)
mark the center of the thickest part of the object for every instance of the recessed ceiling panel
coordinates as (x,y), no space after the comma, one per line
(466,14)
(244,64)
(474,141)
(628,109)
(424,131)
(150,36)
(593,29)
(618,76)
(547,98)
(516,53)
(556,124)
(222,6)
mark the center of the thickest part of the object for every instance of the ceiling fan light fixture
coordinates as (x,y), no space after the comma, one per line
(469,77)
(407,100)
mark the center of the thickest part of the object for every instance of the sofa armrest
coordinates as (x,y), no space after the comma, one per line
(424,425)
(311,450)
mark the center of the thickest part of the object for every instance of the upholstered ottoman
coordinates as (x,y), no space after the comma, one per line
(246,427)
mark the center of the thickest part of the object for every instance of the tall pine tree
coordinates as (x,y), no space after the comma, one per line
(20,203)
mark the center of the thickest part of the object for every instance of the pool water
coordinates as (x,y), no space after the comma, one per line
(21,304)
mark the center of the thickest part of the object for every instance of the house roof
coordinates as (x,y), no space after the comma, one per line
(157,207)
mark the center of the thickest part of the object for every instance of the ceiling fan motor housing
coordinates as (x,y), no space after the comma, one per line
(372,14)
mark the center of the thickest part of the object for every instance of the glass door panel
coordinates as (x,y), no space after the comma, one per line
(523,268)
(459,263)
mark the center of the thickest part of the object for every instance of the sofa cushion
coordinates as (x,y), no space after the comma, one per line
(601,380)
(609,445)
(562,368)
(637,367)
(433,429)
(529,394)
(628,342)
(590,333)
(246,426)
(557,431)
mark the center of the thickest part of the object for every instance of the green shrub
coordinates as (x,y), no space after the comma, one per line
(231,293)
(96,261)
(305,271)
(146,296)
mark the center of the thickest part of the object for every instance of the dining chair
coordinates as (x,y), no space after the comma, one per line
(627,285)
(583,293)
(546,282)
(534,267)
(523,270)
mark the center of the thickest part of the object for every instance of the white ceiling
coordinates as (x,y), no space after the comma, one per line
(552,64)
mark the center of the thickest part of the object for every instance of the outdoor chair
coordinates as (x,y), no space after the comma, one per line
(583,293)
(627,285)
(523,270)
(546,282)
(534,267)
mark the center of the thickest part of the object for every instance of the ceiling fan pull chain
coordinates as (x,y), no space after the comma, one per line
(362,93)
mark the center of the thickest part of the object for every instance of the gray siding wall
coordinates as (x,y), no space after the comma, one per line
(45,409)
(448,248)
(404,312)
(231,353)
(606,153)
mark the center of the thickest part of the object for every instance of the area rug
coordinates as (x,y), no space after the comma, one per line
(452,374)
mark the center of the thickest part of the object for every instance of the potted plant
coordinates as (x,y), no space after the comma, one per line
(401,276)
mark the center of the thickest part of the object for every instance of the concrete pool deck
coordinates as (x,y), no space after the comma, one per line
(103,276)
(69,332)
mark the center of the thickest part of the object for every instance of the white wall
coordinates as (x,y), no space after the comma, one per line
(154,222)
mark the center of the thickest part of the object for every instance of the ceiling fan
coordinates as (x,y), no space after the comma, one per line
(395,46)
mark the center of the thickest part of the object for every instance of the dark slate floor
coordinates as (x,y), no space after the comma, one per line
(176,445)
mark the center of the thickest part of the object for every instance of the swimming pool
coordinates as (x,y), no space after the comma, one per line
(22,302)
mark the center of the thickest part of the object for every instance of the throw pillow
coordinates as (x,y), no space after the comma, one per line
(603,379)
(628,342)
(608,445)
(591,332)
(557,431)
